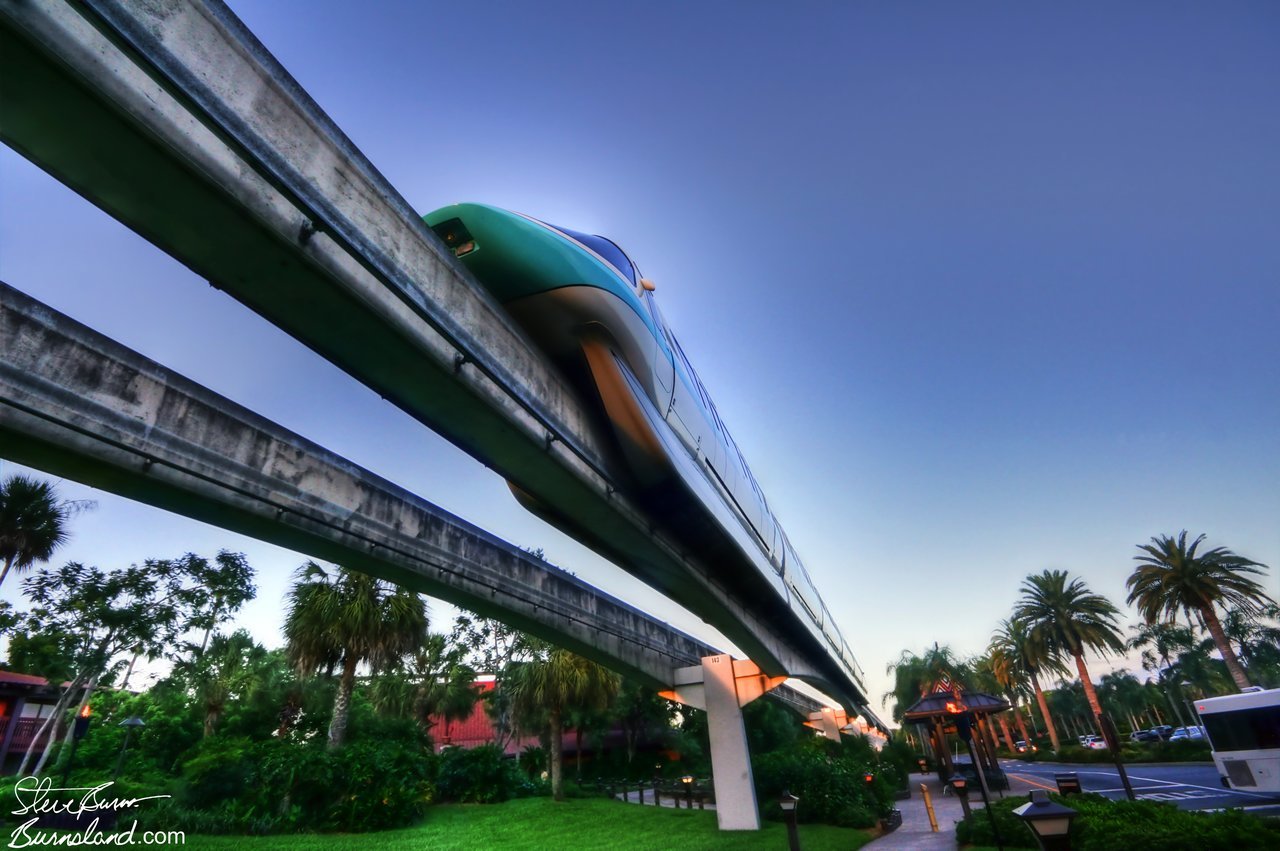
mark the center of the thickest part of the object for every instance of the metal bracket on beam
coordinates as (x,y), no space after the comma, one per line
(830,722)
(688,688)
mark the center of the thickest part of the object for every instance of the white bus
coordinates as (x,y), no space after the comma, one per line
(1244,731)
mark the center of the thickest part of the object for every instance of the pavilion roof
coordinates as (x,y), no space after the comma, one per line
(935,705)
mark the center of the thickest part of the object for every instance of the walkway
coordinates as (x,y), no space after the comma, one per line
(916,833)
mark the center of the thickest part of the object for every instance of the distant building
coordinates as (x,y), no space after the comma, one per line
(25,703)
(476,729)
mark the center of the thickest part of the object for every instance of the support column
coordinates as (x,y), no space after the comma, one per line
(722,685)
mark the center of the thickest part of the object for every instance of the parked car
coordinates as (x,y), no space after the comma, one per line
(1164,731)
(1095,743)
(1187,734)
(1144,736)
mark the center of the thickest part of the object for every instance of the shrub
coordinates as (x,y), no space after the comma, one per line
(829,781)
(479,775)
(1105,825)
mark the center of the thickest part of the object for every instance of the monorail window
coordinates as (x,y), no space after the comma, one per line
(606,248)
(1244,729)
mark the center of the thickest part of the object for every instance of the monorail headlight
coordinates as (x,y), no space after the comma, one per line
(456,237)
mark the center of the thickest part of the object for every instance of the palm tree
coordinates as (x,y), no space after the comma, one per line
(1160,642)
(229,669)
(1011,682)
(346,619)
(990,674)
(1032,655)
(33,522)
(1259,643)
(1172,576)
(556,684)
(914,675)
(1071,618)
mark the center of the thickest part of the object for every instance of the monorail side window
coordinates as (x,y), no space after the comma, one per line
(1244,729)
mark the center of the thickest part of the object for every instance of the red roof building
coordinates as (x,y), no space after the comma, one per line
(476,729)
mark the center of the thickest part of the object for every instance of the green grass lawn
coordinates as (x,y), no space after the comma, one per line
(539,823)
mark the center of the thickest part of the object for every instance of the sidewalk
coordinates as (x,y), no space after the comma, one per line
(916,833)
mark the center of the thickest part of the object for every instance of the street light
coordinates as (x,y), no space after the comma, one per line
(687,780)
(961,787)
(788,803)
(1049,821)
(129,724)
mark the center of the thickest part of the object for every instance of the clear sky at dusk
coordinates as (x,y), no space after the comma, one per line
(979,289)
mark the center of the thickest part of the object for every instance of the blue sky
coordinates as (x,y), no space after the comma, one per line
(979,289)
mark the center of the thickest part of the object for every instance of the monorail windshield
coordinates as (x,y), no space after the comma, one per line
(617,258)
(1244,729)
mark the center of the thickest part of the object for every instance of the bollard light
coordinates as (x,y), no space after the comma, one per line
(788,803)
(1049,821)
(868,778)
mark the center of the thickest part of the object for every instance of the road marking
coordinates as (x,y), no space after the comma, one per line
(1221,790)
(1031,782)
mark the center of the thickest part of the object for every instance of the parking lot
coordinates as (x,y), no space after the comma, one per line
(1191,786)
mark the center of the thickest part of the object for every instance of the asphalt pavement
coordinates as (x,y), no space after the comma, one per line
(1189,785)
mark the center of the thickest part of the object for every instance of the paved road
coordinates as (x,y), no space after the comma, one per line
(1192,786)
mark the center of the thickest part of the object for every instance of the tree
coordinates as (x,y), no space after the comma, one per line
(556,684)
(105,614)
(991,675)
(1172,577)
(1160,642)
(491,647)
(33,522)
(1259,643)
(914,675)
(432,681)
(228,670)
(345,619)
(1032,655)
(1070,617)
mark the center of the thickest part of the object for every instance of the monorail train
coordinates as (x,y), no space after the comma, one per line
(585,304)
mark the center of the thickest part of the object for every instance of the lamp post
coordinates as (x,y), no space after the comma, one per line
(924,765)
(1191,713)
(129,724)
(788,803)
(77,733)
(961,787)
(687,780)
(1049,821)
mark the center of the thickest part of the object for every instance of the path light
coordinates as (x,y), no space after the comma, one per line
(129,724)
(1049,821)
(687,780)
(961,787)
(788,803)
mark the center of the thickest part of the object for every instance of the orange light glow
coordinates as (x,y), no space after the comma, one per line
(953,708)
(85,713)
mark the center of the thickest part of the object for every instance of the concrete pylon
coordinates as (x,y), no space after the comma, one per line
(721,686)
